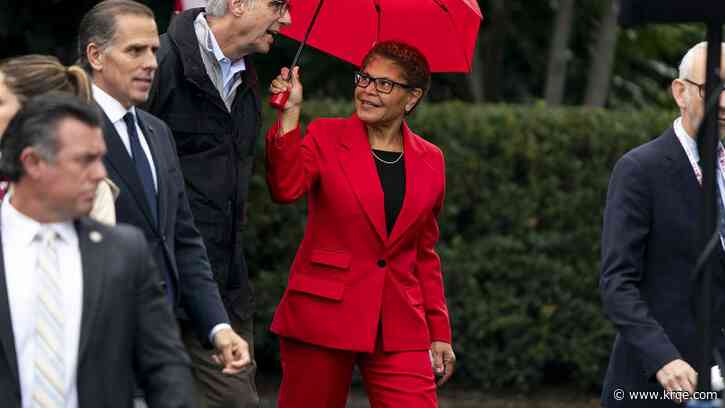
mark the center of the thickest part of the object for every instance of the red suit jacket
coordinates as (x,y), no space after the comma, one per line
(349,277)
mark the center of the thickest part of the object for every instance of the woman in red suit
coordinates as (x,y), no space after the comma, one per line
(365,287)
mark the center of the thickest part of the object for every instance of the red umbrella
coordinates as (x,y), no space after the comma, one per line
(444,30)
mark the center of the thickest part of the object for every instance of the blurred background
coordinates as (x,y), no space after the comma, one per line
(557,93)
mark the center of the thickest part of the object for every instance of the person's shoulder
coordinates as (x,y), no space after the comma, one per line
(427,148)
(167,50)
(149,119)
(652,152)
(119,235)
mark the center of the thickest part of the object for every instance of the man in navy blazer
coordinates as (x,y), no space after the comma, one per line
(118,40)
(650,246)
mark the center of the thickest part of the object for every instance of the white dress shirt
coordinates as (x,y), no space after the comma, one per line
(115,112)
(20,252)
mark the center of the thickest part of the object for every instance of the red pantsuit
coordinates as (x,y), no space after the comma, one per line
(349,278)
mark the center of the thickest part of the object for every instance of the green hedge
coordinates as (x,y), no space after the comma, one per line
(519,236)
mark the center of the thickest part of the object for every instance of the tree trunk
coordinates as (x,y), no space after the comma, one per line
(559,53)
(475,78)
(492,46)
(600,71)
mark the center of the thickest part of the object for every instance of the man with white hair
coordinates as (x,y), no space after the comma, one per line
(650,245)
(206,90)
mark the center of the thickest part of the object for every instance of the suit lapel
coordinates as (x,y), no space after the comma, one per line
(118,157)
(417,171)
(6,326)
(152,139)
(359,168)
(681,173)
(89,241)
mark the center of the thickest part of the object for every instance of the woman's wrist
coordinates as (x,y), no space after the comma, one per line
(290,119)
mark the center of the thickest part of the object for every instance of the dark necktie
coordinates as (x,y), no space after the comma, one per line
(143,167)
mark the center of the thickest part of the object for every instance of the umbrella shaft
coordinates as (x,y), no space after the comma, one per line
(307,34)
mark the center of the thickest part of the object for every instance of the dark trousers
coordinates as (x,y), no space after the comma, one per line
(213,388)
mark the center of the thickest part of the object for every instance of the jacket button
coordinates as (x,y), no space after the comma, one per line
(382,263)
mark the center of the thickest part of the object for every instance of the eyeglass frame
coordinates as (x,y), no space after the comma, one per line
(359,76)
(701,87)
(282,6)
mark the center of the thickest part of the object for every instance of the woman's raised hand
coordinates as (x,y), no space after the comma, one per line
(284,82)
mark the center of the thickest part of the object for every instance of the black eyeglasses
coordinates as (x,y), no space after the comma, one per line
(280,6)
(382,85)
(701,87)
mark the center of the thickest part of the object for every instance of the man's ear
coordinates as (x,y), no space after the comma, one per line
(679,91)
(95,56)
(238,7)
(32,162)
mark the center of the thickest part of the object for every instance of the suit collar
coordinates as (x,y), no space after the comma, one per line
(417,172)
(361,172)
(183,37)
(679,171)
(109,105)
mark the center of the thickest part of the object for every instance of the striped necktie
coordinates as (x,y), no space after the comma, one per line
(49,367)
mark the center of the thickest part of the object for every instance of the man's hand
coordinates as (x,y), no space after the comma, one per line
(677,375)
(444,361)
(232,351)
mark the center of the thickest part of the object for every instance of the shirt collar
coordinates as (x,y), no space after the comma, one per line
(111,107)
(210,45)
(689,142)
(19,228)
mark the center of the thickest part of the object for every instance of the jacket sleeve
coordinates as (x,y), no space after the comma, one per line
(293,163)
(162,366)
(627,219)
(428,269)
(199,291)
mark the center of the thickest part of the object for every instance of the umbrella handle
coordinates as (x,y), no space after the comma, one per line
(277,101)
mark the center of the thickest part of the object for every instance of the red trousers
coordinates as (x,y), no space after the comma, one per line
(319,377)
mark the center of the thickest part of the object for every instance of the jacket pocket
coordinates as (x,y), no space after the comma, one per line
(313,285)
(323,275)
(335,259)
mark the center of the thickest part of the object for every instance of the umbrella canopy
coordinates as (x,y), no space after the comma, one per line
(445,31)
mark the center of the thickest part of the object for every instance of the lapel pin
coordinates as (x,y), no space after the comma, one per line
(95,236)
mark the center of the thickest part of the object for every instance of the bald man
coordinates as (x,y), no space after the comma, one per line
(650,246)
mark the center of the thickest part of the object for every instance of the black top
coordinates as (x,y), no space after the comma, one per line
(392,178)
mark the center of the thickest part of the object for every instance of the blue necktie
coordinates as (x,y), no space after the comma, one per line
(143,167)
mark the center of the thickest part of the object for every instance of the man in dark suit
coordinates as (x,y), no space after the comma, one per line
(82,313)
(650,246)
(118,40)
